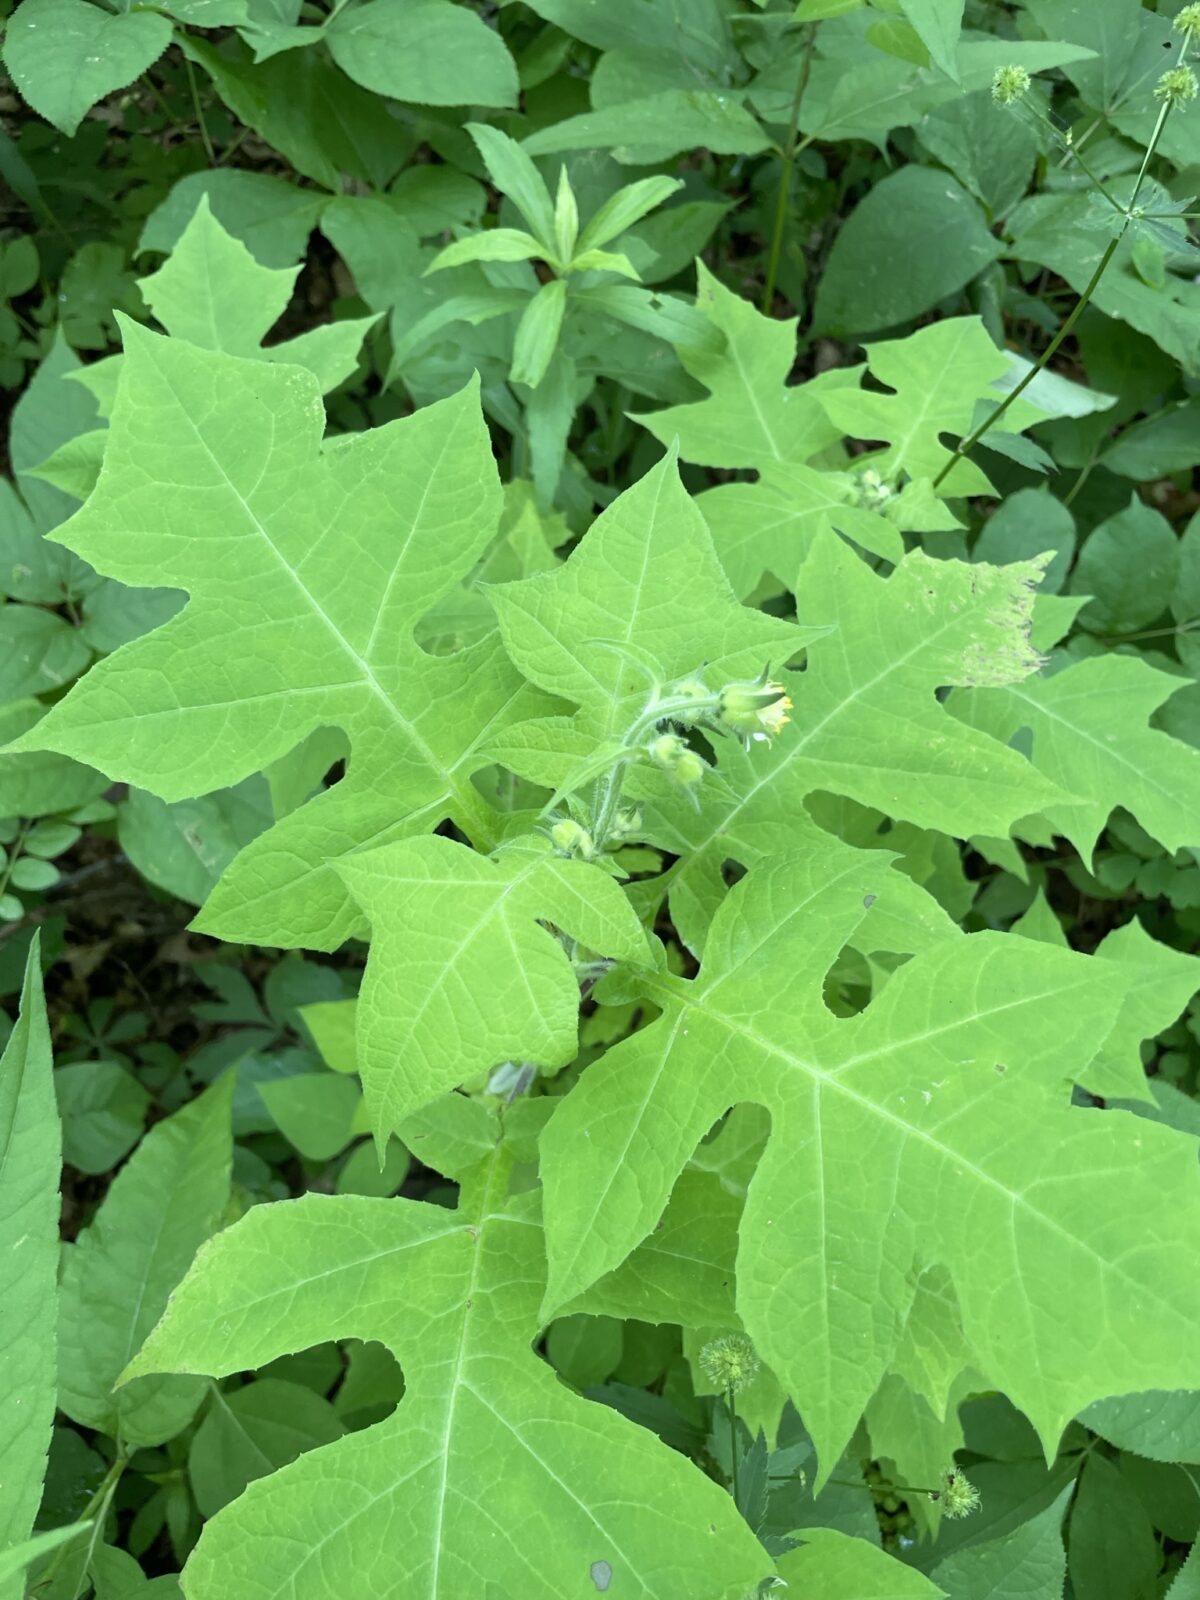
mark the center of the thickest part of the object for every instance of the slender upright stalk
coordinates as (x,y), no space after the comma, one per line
(965,446)
(94,1512)
(788,154)
(208,145)
(733,1445)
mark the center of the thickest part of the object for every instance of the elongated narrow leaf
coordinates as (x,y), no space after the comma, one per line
(30,1161)
(308,572)
(585,1499)
(935,1120)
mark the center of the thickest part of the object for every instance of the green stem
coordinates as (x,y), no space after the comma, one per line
(608,792)
(191,78)
(94,1512)
(965,446)
(785,175)
(733,1446)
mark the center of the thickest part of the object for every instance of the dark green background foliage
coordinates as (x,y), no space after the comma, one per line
(802,251)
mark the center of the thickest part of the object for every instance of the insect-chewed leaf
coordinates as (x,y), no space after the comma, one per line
(307,571)
(868,721)
(935,1126)
(1091,730)
(491,1477)
(461,977)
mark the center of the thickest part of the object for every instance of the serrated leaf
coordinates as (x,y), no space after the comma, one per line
(251,1431)
(165,1201)
(1029,1561)
(1091,731)
(64,55)
(645,578)
(970,1035)
(868,721)
(936,376)
(838,1567)
(426,51)
(30,1161)
(461,977)
(301,616)
(454,1296)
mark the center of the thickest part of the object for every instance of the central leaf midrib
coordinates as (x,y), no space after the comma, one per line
(467,799)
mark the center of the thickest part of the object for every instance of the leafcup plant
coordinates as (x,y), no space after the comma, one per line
(793,1206)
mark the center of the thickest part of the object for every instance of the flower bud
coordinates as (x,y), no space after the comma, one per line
(871,489)
(689,770)
(730,1362)
(1177,86)
(1188,21)
(572,839)
(1009,84)
(665,750)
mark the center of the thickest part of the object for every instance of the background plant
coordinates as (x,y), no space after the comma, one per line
(734,905)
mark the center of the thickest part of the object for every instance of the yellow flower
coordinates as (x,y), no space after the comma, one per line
(756,711)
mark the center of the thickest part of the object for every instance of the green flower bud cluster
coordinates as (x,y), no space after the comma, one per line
(871,490)
(1009,84)
(1177,86)
(1188,21)
(682,765)
(730,1363)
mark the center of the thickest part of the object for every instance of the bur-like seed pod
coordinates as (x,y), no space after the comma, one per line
(729,1363)
(1009,84)
(959,1495)
(1188,21)
(1177,86)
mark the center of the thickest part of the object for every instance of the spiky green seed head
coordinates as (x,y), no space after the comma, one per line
(729,1363)
(959,1495)
(1009,84)
(1188,21)
(1177,86)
